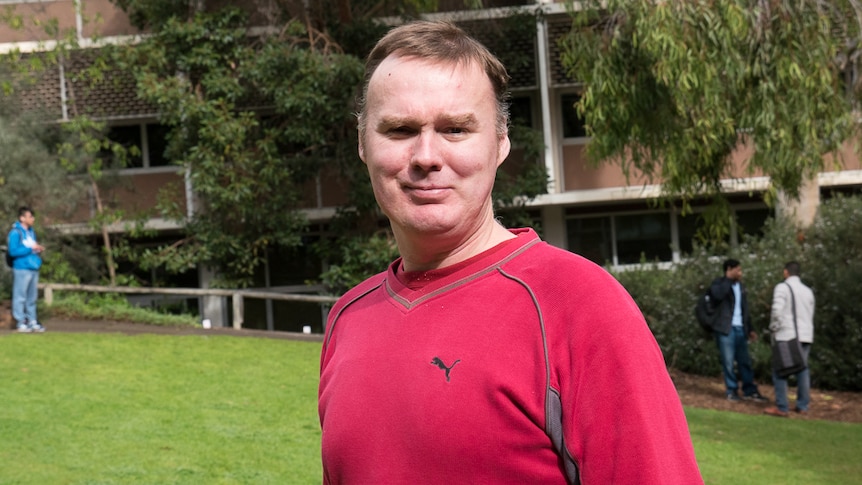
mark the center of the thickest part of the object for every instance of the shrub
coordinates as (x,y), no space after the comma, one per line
(833,267)
(360,257)
(830,252)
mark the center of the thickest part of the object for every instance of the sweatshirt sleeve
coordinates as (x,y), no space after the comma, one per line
(626,423)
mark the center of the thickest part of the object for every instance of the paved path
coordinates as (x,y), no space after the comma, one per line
(104,326)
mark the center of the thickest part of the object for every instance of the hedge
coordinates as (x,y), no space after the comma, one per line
(830,252)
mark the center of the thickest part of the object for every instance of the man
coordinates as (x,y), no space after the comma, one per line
(481,355)
(732,331)
(26,253)
(781,324)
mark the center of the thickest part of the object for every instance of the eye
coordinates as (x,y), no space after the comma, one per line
(400,131)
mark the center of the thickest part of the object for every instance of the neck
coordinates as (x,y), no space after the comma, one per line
(423,252)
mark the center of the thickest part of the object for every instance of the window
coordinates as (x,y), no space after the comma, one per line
(621,239)
(157,145)
(628,238)
(646,235)
(592,238)
(128,136)
(573,125)
(687,227)
(150,140)
(751,221)
(521,111)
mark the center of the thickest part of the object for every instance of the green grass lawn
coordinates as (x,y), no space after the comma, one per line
(156,409)
(741,449)
(115,409)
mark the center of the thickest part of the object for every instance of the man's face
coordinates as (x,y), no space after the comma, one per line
(431,145)
(735,273)
(27,219)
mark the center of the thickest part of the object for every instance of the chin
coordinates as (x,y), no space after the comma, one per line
(429,226)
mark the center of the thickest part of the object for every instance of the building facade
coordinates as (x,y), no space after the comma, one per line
(593,211)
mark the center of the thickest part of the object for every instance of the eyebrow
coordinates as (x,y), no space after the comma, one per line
(387,122)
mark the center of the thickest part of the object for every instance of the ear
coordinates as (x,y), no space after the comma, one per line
(361,147)
(503,148)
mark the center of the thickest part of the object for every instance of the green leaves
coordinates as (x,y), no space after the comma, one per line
(673,90)
(254,120)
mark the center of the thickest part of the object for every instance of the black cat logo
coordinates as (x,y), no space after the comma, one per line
(439,363)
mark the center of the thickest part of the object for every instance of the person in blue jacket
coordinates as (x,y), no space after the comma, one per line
(26,261)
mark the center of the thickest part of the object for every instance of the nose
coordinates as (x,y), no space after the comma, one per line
(427,152)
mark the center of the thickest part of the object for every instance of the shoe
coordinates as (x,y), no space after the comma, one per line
(756,397)
(774,411)
(733,397)
(36,327)
(24,328)
(801,411)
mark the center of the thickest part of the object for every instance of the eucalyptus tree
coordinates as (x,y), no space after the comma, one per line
(672,89)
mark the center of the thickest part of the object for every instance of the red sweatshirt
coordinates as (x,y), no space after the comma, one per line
(524,364)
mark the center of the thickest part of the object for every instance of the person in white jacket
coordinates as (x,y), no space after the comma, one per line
(781,324)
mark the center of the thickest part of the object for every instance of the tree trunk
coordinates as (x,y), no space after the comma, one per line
(106,239)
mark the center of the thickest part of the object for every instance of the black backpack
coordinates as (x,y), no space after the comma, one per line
(706,311)
(9,258)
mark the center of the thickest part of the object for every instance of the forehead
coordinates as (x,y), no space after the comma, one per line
(408,85)
(397,74)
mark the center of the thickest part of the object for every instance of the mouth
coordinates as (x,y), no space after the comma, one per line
(428,193)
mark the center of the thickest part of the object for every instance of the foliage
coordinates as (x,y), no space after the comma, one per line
(56,269)
(667,299)
(249,168)
(55,166)
(515,187)
(85,408)
(257,117)
(30,171)
(86,149)
(361,257)
(112,307)
(672,90)
(831,263)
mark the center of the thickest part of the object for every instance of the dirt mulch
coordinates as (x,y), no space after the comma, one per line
(708,393)
(695,391)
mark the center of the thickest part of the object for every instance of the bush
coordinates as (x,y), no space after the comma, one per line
(360,258)
(830,252)
(107,306)
(833,267)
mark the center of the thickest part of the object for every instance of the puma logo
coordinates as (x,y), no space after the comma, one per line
(439,363)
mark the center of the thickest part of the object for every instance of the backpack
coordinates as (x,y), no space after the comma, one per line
(705,311)
(9,258)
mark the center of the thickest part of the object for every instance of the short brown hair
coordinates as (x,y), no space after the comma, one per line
(438,41)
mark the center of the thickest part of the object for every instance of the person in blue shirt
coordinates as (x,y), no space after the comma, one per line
(732,331)
(26,261)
